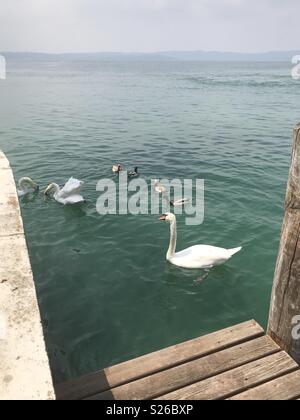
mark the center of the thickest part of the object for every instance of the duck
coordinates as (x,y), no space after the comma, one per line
(179,203)
(117,168)
(161,189)
(24,186)
(197,256)
(134,173)
(69,194)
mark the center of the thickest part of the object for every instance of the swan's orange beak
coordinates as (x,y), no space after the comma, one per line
(163,217)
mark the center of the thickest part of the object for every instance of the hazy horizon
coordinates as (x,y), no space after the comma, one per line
(148,26)
(166,56)
(151,52)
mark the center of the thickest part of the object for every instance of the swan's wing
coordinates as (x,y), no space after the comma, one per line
(74,199)
(72,187)
(202,255)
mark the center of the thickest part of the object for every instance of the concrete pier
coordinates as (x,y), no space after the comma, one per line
(24,365)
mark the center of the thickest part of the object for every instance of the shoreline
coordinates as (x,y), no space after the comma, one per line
(24,365)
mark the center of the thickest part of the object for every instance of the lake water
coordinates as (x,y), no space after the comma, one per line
(105,290)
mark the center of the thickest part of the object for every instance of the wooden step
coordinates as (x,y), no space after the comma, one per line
(237,380)
(188,373)
(284,388)
(124,373)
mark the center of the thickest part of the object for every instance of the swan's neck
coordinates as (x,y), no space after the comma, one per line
(56,188)
(23,188)
(173,240)
(24,183)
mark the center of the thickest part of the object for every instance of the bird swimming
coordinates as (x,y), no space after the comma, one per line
(117,168)
(25,185)
(161,189)
(197,256)
(134,173)
(180,202)
(69,194)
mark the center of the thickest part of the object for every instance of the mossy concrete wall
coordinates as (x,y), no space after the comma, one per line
(24,365)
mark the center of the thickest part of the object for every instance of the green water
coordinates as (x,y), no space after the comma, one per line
(105,291)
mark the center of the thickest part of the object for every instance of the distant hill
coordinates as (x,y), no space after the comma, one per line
(273,56)
(230,56)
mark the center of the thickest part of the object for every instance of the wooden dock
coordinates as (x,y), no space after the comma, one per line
(238,363)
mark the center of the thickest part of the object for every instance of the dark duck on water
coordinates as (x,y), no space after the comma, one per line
(134,173)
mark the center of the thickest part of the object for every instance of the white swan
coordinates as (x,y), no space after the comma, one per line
(69,194)
(24,186)
(198,256)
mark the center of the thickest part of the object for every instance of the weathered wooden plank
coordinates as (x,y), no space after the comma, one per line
(180,376)
(284,388)
(237,380)
(285,303)
(155,362)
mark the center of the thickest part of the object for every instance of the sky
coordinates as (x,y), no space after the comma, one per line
(149,25)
